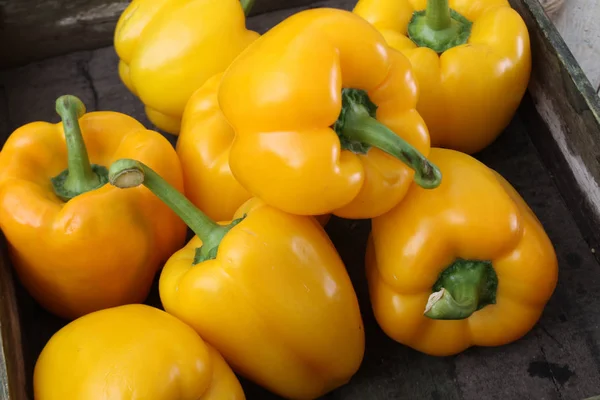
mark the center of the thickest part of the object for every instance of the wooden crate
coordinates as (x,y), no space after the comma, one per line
(550,153)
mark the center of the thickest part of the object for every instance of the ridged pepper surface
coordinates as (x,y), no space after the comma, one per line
(203,147)
(324,117)
(465,264)
(132,352)
(168,48)
(472,59)
(77,243)
(267,290)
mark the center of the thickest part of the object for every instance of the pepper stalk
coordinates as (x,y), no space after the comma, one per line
(359,130)
(80,176)
(128,173)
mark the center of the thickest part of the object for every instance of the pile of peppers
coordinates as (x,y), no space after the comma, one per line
(371,114)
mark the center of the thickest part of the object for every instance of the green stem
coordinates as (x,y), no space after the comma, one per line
(439,27)
(247,6)
(463,288)
(127,173)
(359,130)
(80,176)
(437,14)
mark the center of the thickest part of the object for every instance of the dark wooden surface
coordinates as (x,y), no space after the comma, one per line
(570,107)
(10,339)
(559,359)
(32,30)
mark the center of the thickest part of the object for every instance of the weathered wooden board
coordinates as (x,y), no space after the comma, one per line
(10,335)
(570,138)
(577,23)
(10,339)
(32,30)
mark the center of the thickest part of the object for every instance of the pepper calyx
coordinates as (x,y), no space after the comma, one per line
(463,288)
(355,103)
(439,27)
(209,249)
(65,193)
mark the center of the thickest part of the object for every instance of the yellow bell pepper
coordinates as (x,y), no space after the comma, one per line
(268,291)
(132,352)
(169,48)
(465,264)
(472,60)
(305,145)
(78,244)
(203,148)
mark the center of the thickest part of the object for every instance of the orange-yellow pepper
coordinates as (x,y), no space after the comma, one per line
(472,60)
(268,290)
(308,147)
(465,264)
(169,48)
(203,148)
(78,244)
(132,352)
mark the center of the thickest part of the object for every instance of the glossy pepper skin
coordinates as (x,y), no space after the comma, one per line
(471,255)
(102,247)
(203,148)
(132,352)
(268,291)
(169,48)
(470,91)
(308,147)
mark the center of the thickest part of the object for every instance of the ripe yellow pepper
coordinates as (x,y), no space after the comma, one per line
(325,120)
(169,48)
(132,352)
(465,264)
(203,148)
(472,60)
(268,291)
(78,244)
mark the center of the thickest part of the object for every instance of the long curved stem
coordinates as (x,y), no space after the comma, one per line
(368,130)
(358,130)
(127,173)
